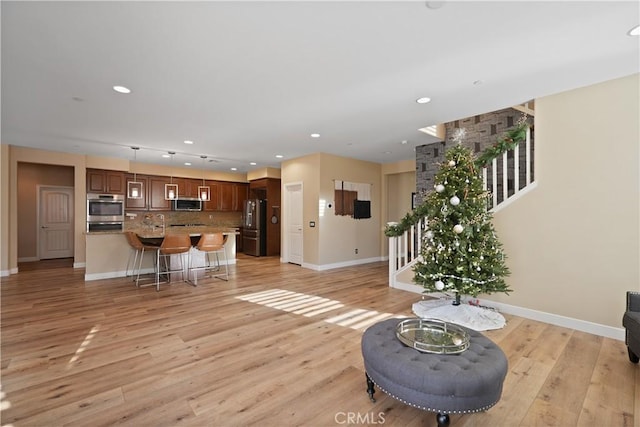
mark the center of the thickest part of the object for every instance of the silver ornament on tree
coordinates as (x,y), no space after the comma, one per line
(439,188)
(429,234)
(455,201)
(458,228)
(439,285)
(452,163)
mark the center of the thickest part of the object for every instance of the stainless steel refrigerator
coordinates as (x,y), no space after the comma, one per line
(254,240)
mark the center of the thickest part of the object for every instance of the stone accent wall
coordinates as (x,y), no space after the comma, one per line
(481,131)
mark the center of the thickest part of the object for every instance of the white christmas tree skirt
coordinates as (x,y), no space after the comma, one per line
(470,316)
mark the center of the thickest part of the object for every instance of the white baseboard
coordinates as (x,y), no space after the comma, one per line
(28,259)
(541,316)
(4,273)
(341,264)
(113,274)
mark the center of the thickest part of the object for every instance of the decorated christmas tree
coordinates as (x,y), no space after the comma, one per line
(460,252)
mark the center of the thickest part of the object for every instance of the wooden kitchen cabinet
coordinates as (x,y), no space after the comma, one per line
(226,196)
(214,189)
(105,181)
(188,187)
(156,193)
(142,203)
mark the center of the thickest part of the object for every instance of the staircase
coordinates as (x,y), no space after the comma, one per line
(507,178)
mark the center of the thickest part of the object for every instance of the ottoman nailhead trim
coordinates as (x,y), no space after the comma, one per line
(424,408)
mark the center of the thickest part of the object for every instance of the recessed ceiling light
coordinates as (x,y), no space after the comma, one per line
(635,31)
(166,156)
(315,135)
(387,152)
(234,169)
(477,82)
(434,4)
(186,141)
(404,142)
(423,100)
(122,89)
(279,156)
(253,163)
(187,163)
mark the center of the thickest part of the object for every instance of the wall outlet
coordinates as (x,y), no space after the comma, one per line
(356,251)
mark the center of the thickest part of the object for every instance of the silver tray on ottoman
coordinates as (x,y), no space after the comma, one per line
(432,336)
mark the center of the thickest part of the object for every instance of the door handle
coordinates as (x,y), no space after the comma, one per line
(44,226)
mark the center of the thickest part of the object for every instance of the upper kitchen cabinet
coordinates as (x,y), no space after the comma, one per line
(141,204)
(211,205)
(105,181)
(226,196)
(187,187)
(157,201)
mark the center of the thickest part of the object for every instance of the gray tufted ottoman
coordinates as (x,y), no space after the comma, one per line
(447,384)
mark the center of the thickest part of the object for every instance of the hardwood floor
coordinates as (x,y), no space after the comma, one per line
(275,345)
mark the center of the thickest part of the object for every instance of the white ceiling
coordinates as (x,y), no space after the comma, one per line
(249,80)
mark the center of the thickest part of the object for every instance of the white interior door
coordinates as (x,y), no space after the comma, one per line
(294,223)
(56,222)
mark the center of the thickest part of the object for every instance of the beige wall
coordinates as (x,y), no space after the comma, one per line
(341,235)
(334,238)
(264,173)
(30,177)
(19,155)
(407,168)
(399,199)
(4,211)
(573,242)
(305,170)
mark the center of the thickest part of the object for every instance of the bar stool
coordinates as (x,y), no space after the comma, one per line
(172,244)
(211,243)
(138,250)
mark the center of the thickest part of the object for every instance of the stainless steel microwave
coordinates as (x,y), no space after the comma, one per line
(186,204)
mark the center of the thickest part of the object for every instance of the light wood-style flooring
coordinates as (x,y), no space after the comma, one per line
(276,345)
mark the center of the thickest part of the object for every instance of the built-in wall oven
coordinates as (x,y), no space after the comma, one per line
(105,212)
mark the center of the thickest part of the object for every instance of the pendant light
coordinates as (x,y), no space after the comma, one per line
(171,190)
(204,192)
(134,188)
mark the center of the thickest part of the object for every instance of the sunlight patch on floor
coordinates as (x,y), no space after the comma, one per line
(83,346)
(311,305)
(4,404)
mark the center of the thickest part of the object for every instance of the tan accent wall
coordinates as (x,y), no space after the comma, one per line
(573,242)
(30,177)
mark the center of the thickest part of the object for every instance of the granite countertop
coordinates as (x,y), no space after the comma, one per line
(156,232)
(191,230)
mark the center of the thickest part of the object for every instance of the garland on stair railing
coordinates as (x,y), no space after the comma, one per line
(508,141)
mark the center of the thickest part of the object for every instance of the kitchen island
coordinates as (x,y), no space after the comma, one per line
(108,252)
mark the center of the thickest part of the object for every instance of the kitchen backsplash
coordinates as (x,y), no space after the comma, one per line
(154,219)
